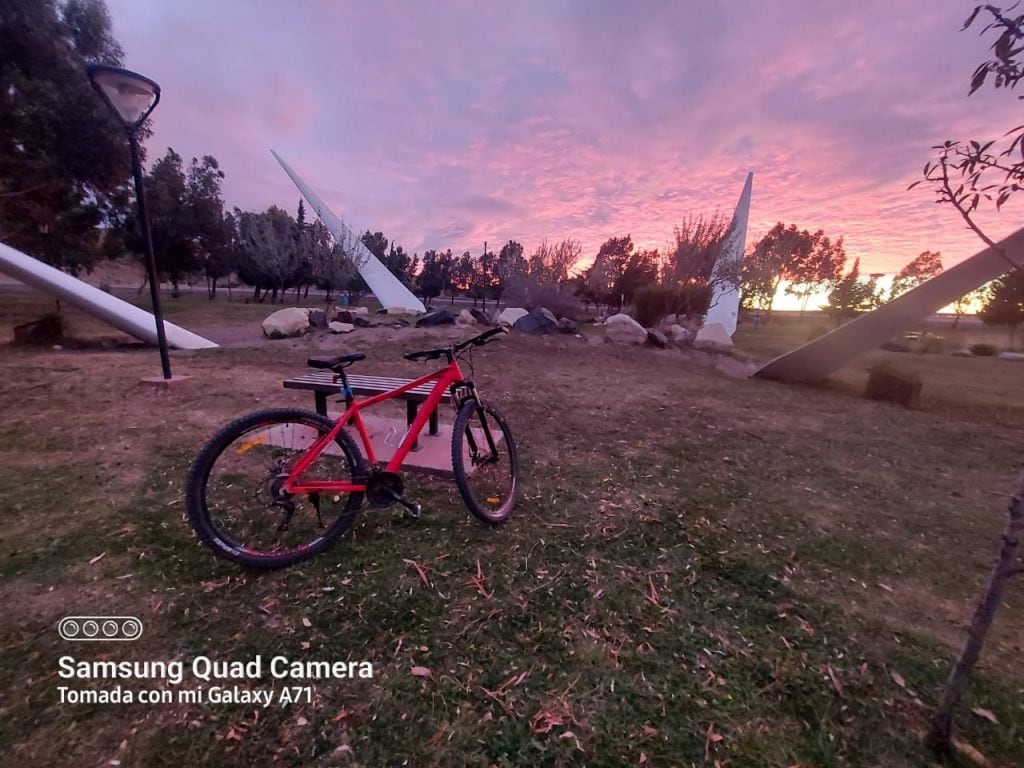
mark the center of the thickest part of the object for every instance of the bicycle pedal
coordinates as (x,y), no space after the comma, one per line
(414,509)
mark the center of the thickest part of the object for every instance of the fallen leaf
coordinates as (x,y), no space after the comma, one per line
(421,672)
(97,558)
(649,731)
(898,679)
(302,721)
(306,622)
(988,714)
(835,680)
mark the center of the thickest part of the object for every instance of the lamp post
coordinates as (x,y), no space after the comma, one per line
(132,98)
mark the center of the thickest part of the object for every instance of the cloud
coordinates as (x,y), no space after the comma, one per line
(445,125)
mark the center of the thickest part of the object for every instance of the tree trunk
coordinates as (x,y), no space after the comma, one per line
(939,738)
(956,321)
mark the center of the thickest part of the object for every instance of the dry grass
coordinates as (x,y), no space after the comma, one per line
(702,568)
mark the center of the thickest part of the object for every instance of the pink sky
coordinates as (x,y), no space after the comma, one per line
(448,124)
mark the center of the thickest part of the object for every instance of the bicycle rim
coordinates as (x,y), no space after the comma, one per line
(248,519)
(486,474)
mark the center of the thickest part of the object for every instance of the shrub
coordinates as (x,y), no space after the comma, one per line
(687,300)
(983,350)
(893,385)
(106,287)
(529,293)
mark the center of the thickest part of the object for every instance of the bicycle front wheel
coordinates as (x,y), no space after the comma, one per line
(485,462)
(234,497)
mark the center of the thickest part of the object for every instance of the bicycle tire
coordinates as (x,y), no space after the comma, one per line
(205,522)
(492,509)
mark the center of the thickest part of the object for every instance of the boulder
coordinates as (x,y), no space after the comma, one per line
(285,323)
(484,318)
(335,327)
(623,329)
(435,318)
(669,320)
(1018,356)
(714,338)
(399,322)
(359,321)
(963,353)
(344,315)
(359,310)
(679,335)
(317,318)
(402,311)
(565,325)
(465,318)
(656,338)
(548,314)
(510,314)
(538,322)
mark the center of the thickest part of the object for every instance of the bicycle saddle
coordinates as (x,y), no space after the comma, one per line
(335,362)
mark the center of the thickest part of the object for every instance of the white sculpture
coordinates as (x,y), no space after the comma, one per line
(110,309)
(725,299)
(385,286)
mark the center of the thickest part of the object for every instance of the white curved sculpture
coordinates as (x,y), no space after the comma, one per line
(385,286)
(725,301)
(110,309)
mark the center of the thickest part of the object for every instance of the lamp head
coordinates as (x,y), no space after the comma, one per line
(130,95)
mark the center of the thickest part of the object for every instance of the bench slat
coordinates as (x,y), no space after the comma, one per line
(323,381)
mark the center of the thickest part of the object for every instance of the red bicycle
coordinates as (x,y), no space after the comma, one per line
(279,486)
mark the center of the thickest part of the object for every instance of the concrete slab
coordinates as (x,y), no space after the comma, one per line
(432,455)
(162,383)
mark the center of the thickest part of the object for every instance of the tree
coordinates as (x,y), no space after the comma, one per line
(775,258)
(171,220)
(508,267)
(976,164)
(271,254)
(375,243)
(483,277)
(920,269)
(211,231)
(814,266)
(968,300)
(617,271)
(435,275)
(1004,304)
(552,264)
(851,295)
(460,279)
(400,264)
(697,243)
(64,160)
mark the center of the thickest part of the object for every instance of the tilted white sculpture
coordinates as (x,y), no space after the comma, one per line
(385,286)
(817,359)
(725,299)
(110,309)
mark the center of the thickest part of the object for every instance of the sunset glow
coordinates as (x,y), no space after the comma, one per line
(447,125)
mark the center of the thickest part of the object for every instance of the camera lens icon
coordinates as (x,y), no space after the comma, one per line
(99,628)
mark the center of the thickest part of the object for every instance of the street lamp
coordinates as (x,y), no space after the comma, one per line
(133,97)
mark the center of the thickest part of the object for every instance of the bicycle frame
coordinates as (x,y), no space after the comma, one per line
(445,378)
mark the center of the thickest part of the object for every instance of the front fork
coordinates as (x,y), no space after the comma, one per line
(466,392)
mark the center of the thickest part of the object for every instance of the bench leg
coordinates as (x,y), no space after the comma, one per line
(321,403)
(433,430)
(411,409)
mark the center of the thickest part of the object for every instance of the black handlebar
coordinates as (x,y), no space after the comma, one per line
(449,352)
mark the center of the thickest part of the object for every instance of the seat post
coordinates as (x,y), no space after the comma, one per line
(346,391)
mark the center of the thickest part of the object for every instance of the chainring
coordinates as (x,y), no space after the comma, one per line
(383,488)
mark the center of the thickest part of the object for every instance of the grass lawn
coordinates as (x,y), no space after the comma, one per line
(702,570)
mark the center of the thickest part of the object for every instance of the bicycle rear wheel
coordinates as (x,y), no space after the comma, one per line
(485,462)
(233,495)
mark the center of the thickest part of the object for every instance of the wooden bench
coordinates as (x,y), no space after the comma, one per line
(322,384)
